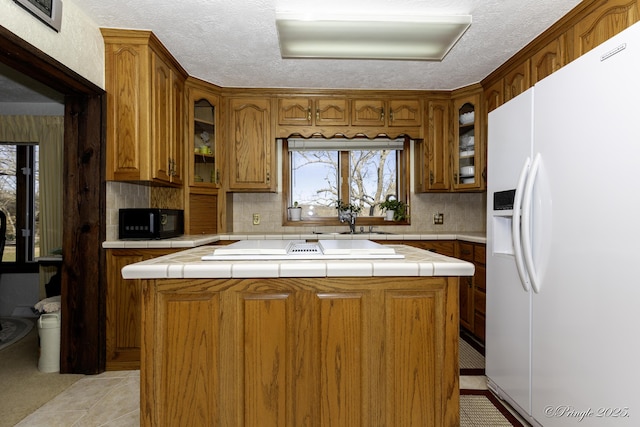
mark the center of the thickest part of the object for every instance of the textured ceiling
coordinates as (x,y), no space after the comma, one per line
(233,43)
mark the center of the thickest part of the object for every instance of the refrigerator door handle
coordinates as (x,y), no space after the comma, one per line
(527,247)
(515,226)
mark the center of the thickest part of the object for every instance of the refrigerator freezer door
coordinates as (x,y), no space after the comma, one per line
(508,303)
(585,319)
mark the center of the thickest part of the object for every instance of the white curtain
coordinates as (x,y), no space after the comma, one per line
(48,132)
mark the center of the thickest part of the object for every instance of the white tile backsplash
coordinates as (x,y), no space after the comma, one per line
(462,212)
(123,195)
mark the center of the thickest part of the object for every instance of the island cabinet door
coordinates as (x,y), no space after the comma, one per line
(301,352)
(180,366)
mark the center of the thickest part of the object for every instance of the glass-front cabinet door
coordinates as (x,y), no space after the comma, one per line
(204,169)
(468,148)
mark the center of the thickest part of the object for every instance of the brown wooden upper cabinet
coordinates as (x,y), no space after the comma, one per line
(303,111)
(251,145)
(145,109)
(392,113)
(451,156)
(468,151)
(432,153)
(203,148)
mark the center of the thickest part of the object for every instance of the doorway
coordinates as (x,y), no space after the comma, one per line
(83,340)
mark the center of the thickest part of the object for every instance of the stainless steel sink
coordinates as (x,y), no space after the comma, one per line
(357,232)
(367,232)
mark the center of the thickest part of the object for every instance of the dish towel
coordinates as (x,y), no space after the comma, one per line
(49,305)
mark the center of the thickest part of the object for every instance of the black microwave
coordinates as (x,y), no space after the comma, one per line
(150,223)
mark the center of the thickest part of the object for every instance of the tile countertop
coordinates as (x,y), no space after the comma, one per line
(188,265)
(192,241)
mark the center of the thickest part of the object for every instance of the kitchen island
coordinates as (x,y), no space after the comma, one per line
(300,343)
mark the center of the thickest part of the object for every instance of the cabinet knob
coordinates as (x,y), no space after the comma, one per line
(268,177)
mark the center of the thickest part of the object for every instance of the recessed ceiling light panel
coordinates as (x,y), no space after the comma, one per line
(388,37)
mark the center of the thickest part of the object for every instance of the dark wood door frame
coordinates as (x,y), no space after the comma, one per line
(83,342)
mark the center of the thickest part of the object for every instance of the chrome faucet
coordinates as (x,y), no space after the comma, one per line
(350,218)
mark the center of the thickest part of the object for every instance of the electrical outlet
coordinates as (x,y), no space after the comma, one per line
(256,219)
(438,218)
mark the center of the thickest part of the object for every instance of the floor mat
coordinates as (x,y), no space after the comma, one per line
(471,359)
(480,408)
(13,330)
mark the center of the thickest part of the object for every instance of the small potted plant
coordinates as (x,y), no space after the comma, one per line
(347,207)
(295,212)
(395,210)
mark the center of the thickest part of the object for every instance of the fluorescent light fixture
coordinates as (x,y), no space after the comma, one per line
(369,37)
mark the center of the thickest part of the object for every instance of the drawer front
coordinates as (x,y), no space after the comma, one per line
(466,251)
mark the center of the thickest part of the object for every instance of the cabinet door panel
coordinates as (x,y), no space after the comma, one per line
(342,358)
(294,111)
(176,136)
(123,315)
(468,149)
(604,22)
(161,120)
(549,59)
(332,112)
(266,360)
(127,95)
(517,81)
(191,331)
(494,95)
(123,308)
(413,329)
(438,140)
(369,112)
(405,113)
(250,166)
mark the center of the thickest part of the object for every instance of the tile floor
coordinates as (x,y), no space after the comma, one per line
(112,399)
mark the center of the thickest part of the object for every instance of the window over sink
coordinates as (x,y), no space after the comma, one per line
(363,172)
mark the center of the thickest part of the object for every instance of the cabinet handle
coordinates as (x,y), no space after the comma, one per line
(382,115)
(268,177)
(309,114)
(431,177)
(317,114)
(391,115)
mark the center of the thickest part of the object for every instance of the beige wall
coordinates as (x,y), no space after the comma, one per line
(78,45)
(462,212)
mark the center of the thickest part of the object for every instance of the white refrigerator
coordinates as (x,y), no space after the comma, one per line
(563,243)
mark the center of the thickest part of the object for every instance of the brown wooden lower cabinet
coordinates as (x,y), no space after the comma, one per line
(444,247)
(473,289)
(124,299)
(374,351)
